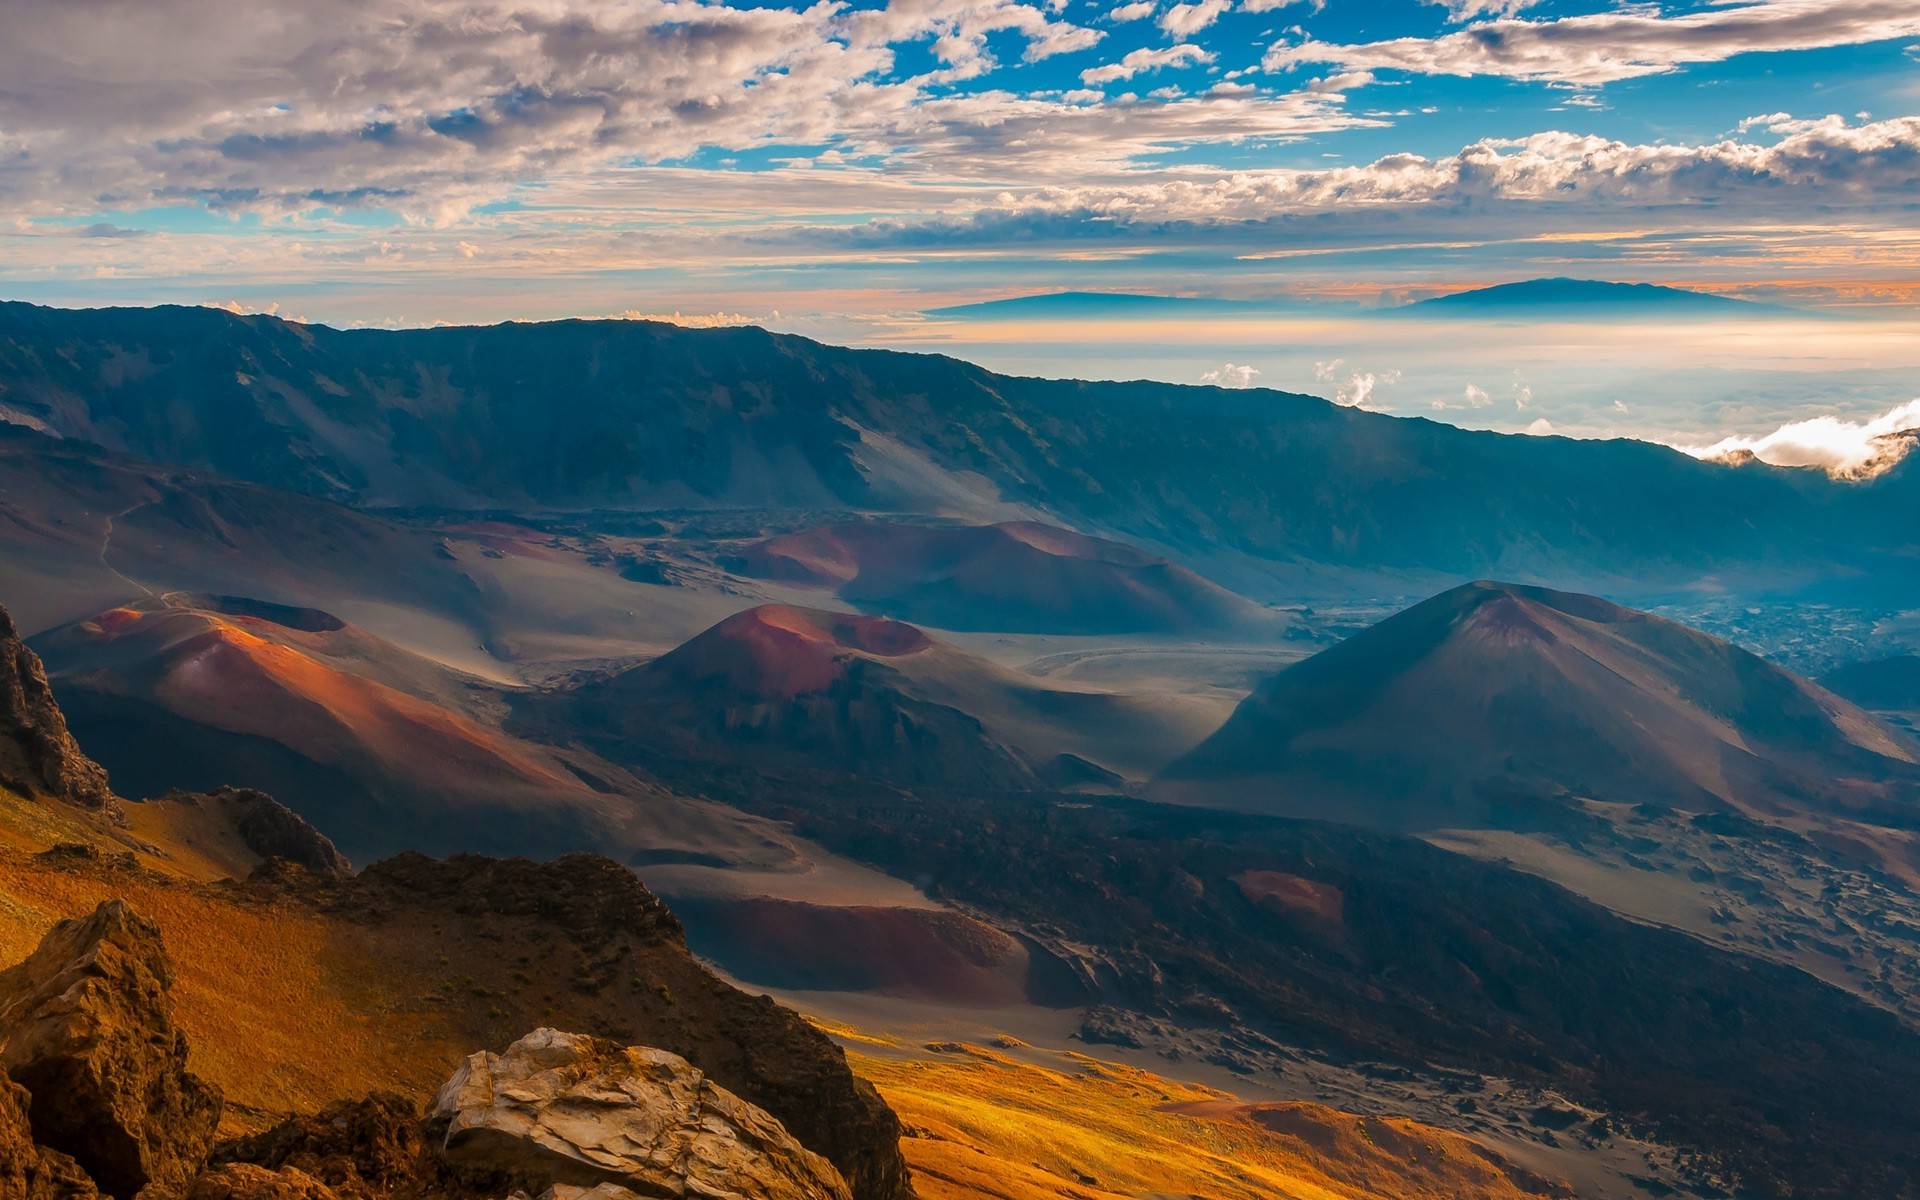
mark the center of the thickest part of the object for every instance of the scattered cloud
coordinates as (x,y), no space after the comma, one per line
(1476,397)
(1626,43)
(1139,10)
(1184,20)
(1146,59)
(1354,389)
(1230,375)
(1541,427)
(1842,448)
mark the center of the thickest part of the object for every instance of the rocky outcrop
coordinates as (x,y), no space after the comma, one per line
(86,1027)
(560,1108)
(29,1171)
(272,830)
(37,754)
(357,1148)
(631,979)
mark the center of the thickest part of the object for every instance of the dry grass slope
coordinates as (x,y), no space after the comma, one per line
(990,1126)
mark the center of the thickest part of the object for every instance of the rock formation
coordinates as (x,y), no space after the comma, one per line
(272,830)
(86,1027)
(37,754)
(28,1171)
(559,1108)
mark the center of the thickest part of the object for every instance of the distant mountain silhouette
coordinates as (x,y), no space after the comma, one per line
(1494,697)
(1588,297)
(1090,305)
(632,415)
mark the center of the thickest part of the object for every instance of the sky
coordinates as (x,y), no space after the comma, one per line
(837,167)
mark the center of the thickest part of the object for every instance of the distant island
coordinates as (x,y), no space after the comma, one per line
(1093,305)
(1589,298)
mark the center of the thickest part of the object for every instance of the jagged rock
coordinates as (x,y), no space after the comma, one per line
(369,1147)
(27,1171)
(272,830)
(600,919)
(559,1108)
(86,1026)
(244,1181)
(37,754)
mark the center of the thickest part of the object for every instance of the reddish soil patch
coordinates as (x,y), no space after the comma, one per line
(1291,893)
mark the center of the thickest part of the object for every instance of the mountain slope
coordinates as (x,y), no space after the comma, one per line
(782,689)
(1493,696)
(1015,576)
(387,750)
(635,415)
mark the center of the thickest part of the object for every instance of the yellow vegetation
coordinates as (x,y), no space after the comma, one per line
(287,1010)
(991,1126)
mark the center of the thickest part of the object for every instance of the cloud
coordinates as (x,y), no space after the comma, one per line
(1460,11)
(1185,20)
(1357,389)
(1541,427)
(1146,59)
(1139,10)
(1261,6)
(1825,171)
(1230,375)
(430,107)
(1623,44)
(1476,397)
(1843,449)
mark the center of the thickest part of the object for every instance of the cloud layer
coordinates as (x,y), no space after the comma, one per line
(1843,449)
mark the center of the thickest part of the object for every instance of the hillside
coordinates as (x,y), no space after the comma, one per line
(492,418)
(1013,576)
(780,690)
(1491,702)
(387,750)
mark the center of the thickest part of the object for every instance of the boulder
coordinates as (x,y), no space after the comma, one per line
(86,1027)
(563,1109)
(37,754)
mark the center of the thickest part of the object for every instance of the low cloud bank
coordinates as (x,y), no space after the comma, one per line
(1843,449)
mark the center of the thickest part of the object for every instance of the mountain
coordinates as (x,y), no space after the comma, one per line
(1013,576)
(631,415)
(1493,698)
(386,750)
(1098,306)
(1551,299)
(1883,685)
(780,690)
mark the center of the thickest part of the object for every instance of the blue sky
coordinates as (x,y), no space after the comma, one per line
(386,160)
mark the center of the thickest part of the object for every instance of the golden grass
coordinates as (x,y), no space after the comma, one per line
(993,1127)
(287,1010)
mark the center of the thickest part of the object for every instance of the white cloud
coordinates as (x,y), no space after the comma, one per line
(1356,390)
(1146,59)
(1477,397)
(1185,20)
(1842,448)
(1230,375)
(1261,6)
(1541,427)
(1472,10)
(1623,44)
(1139,10)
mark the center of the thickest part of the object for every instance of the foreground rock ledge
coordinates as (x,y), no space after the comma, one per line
(86,1027)
(563,1109)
